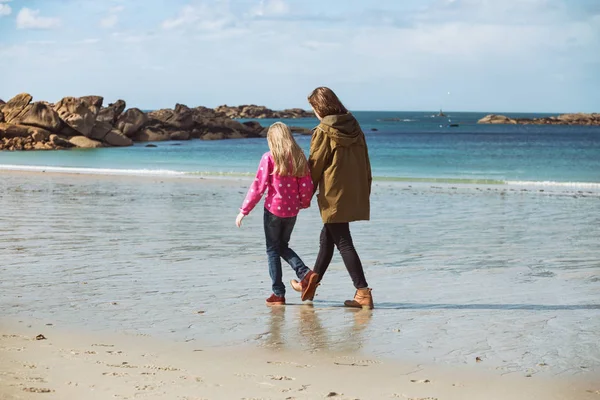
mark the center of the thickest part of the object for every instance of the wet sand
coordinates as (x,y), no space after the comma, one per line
(155,266)
(75,365)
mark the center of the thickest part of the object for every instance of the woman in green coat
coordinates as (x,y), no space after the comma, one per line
(341,171)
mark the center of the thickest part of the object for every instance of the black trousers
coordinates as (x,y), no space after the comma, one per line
(339,235)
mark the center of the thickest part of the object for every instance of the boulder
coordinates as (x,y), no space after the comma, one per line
(94,103)
(254,126)
(77,114)
(180,135)
(84,142)
(496,119)
(60,141)
(40,146)
(10,131)
(2,102)
(213,136)
(116,138)
(16,106)
(205,112)
(163,115)
(41,115)
(39,134)
(131,121)
(151,134)
(111,113)
(257,112)
(16,143)
(1,116)
(181,118)
(101,128)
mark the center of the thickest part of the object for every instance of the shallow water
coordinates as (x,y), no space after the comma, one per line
(507,274)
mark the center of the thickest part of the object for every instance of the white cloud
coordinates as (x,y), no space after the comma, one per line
(109,22)
(186,16)
(5,10)
(112,19)
(31,19)
(268,8)
(202,17)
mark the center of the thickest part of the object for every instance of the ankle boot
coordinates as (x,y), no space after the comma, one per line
(307,286)
(362,299)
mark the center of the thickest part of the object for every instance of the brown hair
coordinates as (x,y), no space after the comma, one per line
(325,102)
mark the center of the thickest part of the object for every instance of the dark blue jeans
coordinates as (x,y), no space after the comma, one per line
(278,232)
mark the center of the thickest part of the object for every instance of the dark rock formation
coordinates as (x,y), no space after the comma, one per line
(564,119)
(252,111)
(83,122)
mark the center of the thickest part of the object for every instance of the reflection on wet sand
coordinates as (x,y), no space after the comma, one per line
(304,330)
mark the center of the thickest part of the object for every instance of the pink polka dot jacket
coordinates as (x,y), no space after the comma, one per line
(286,195)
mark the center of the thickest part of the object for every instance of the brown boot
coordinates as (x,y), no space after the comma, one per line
(307,286)
(362,299)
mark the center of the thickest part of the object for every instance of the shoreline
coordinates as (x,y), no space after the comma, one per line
(583,189)
(70,364)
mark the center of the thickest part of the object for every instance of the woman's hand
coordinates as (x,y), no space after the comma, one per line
(238,220)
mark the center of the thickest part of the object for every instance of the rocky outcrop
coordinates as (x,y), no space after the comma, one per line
(564,119)
(77,114)
(496,119)
(84,142)
(111,113)
(252,111)
(9,131)
(131,121)
(83,122)
(117,139)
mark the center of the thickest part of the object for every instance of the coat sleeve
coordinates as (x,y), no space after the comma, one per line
(258,187)
(319,156)
(305,190)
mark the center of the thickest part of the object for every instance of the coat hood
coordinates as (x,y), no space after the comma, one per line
(342,128)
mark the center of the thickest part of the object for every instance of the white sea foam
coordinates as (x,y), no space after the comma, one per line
(93,171)
(590,185)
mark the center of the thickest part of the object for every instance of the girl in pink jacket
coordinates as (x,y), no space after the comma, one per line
(283,172)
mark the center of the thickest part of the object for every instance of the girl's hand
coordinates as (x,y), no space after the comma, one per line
(238,220)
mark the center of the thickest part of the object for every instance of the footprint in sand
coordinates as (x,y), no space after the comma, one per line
(35,379)
(120,374)
(280,378)
(353,360)
(154,367)
(37,390)
(289,363)
(124,364)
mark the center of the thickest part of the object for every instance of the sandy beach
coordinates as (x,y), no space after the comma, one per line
(74,365)
(143,288)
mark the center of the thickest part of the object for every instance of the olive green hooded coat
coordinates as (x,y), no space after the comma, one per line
(340,169)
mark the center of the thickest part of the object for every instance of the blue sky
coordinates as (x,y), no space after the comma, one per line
(472,55)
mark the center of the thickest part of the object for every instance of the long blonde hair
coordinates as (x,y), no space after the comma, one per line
(288,156)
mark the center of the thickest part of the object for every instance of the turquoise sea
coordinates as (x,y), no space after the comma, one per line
(406,146)
(483,242)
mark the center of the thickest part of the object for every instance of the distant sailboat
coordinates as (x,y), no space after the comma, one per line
(441,114)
